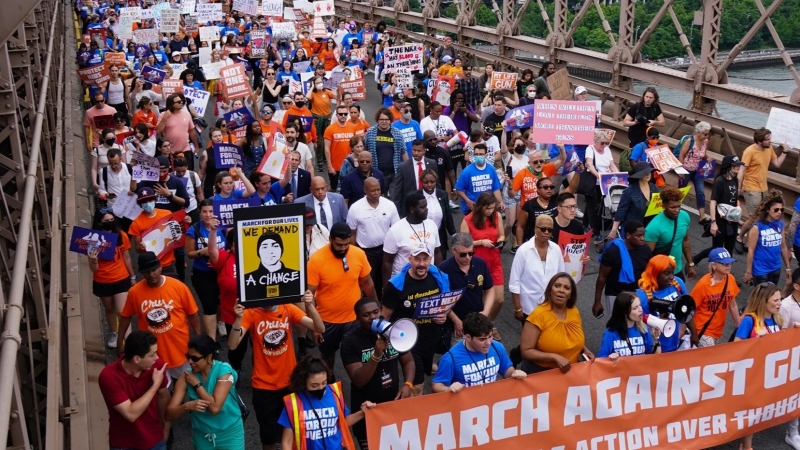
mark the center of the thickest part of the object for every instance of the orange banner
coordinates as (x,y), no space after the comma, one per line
(692,399)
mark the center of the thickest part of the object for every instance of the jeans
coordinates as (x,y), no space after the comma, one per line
(773,277)
(699,188)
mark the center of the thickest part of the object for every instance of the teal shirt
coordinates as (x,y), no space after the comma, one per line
(659,230)
(230,413)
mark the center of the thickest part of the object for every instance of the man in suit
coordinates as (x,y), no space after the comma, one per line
(407,179)
(328,206)
(353,182)
(300,182)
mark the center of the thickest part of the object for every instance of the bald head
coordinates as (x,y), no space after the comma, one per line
(364,162)
(430,134)
(372,189)
(319,188)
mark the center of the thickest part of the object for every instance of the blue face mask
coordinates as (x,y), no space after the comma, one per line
(480,160)
(148,207)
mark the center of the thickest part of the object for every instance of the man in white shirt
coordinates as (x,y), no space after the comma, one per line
(369,218)
(292,144)
(300,179)
(443,126)
(406,233)
(115,179)
(340,32)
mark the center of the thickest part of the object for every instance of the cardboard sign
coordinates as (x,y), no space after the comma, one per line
(170,20)
(145,36)
(126,206)
(358,88)
(209,12)
(275,161)
(662,159)
(324,8)
(228,155)
(258,44)
(284,30)
(103,122)
(153,75)
(238,118)
(706,169)
(147,14)
(278,275)
(405,79)
(199,99)
(146,168)
(436,305)
(403,57)
(573,248)
(519,117)
(785,126)
(273,8)
(188,6)
(441,91)
(612,179)
(505,81)
(177,70)
(165,235)
(559,85)
(568,122)
(97,75)
(170,86)
(209,34)
(235,81)
(656,206)
(98,35)
(85,240)
(211,70)
(249,7)
(224,209)
(319,30)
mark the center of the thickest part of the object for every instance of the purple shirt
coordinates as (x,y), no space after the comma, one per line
(460,120)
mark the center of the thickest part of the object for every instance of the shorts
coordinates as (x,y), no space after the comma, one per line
(111,289)
(510,202)
(268,406)
(205,284)
(706,341)
(423,361)
(334,335)
(752,199)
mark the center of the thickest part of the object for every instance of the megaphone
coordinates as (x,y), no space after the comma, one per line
(667,326)
(402,334)
(683,308)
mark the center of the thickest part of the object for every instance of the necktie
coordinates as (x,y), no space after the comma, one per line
(294,185)
(322,217)
(419,175)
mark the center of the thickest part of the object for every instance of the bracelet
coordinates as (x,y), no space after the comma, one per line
(409,384)
(516,310)
(377,360)
(236,329)
(197,386)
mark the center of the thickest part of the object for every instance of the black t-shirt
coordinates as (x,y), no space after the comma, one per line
(357,347)
(444,163)
(384,147)
(403,304)
(497,121)
(725,191)
(574,227)
(534,210)
(611,258)
(636,133)
(475,283)
(176,186)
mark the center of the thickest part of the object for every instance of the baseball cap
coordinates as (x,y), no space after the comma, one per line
(163,161)
(732,160)
(398,97)
(145,193)
(446,58)
(419,248)
(580,90)
(720,255)
(148,262)
(310,218)
(320,66)
(176,53)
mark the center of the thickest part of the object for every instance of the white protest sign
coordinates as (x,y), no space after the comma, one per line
(170,20)
(272,8)
(133,11)
(305,5)
(157,12)
(246,6)
(785,127)
(211,70)
(125,27)
(288,14)
(187,6)
(145,35)
(126,206)
(199,99)
(204,55)
(405,79)
(403,57)
(147,14)
(209,34)
(323,8)
(209,12)
(177,69)
(283,30)
(146,168)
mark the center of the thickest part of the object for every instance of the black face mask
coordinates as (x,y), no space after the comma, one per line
(111,141)
(318,393)
(520,149)
(108,226)
(300,104)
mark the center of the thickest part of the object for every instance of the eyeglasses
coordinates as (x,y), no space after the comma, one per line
(569,207)
(344,264)
(465,254)
(193,358)
(604,144)
(538,161)
(548,187)
(102,100)
(777,209)
(545,229)
(384,120)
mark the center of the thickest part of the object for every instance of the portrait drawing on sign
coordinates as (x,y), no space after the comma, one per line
(272,279)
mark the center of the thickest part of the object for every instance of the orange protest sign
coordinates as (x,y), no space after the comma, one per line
(357,87)
(170,86)
(662,158)
(505,81)
(97,75)
(691,399)
(234,81)
(115,59)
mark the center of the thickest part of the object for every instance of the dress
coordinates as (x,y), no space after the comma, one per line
(490,255)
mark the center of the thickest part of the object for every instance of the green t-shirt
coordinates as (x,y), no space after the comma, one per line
(659,230)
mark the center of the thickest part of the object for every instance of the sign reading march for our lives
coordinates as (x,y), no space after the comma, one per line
(519,117)
(228,155)
(224,209)
(436,305)
(85,240)
(403,57)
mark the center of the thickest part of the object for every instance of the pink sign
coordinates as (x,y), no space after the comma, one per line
(568,122)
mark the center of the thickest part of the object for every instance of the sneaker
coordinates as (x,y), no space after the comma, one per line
(705,220)
(793,441)
(578,213)
(598,240)
(221,330)
(453,205)
(514,249)
(112,339)
(496,335)
(739,247)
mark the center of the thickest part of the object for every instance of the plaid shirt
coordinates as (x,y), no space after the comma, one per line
(472,91)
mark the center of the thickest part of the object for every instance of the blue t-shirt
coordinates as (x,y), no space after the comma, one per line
(161,57)
(638,153)
(202,263)
(472,368)
(796,240)
(669,293)
(387,99)
(195,85)
(410,131)
(767,254)
(274,195)
(746,331)
(236,194)
(322,421)
(474,181)
(638,343)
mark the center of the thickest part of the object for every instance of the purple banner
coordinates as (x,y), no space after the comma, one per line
(153,75)
(520,117)
(228,155)
(239,118)
(83,240)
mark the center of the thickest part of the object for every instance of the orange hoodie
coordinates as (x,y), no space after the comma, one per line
(304,114)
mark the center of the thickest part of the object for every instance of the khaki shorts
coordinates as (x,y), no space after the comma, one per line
(752,199)
(706,341)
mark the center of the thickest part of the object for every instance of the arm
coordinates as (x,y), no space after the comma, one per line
(528,341)
(684,150)
(522,220)
(599,285)
(361,373)
(191,248)
(94,174)
(132,410)
(162,123)
(659,122)
(327,150)
(776,163)
(249,189)
(562,156)
(791,230)
(752,241)
(194,322)
(740,177)
(87,137)
(201,172)
(628,121)
(386,269)
(313,321)
(687,253)
(367,287)
(353,236)
(175,408)
(488,301)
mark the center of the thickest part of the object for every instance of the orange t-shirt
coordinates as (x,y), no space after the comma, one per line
(163,311)
(273,349)
(111,271)
(361,127)
(337,290)
(340,135)
(708,299)
(321,102)
(328,58)
(396,114)
(525,181)
(142,223)
(142,117)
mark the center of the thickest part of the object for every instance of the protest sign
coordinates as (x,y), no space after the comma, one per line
(125,138)
(273,8)
(785,127)
(98,35)
(134,12)
(301,18)
(441,91)
(505,81)
(188,6)
(612,179)
(662,158)
(258,44)
(706,168)
(235,81)
(170,20)
(96,75)
(145,36)
(190,24)
(142,51)
(211,70)
(519,117)
(559,85)
(296,86)
(199,99)
(115,59)
(246,6)
(238,118)
(284,30)
(436,305)
(209,34)
(288,14)
(84,240)
(267,237)
(104,121)
(324,8)
(209,12)
(656,206)
(169,87)
(358,88)
(204,55)
(300,67)
(147,14)
(275,161)
(228,155)
(568,122)
(165,235)
(359,53)
(573,162)
(405,79)
(153,75)
(573,248)
(146,168)
(125,27)
(126,206)
(335,79)
(694,399)
(319,30)
(223,209)
(177,69)
(307,78)
(403,57)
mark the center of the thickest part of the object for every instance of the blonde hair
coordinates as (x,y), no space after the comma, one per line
(757,305)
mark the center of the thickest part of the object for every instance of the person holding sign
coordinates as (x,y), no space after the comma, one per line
(147,219)
(96,119)
(635,198)
(667,233)
(598,160)
(176,124)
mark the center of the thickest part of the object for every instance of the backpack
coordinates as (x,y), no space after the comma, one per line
(677,150)
(625,161)
(104,174)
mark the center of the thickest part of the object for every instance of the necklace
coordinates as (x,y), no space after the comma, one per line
(419,238)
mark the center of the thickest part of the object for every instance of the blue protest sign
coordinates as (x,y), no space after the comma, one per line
(520,117)
(228,155)
(706,169)
(224,209)
(239,118)
(612,179)
(436,305)
(573,162)
(85,239)
(153,75)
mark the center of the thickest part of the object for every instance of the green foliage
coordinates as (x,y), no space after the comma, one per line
(485,16)
(451,11)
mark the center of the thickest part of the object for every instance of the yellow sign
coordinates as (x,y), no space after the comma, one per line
(655,205)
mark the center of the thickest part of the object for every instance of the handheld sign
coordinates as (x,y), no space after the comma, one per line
(146,168)
(153,75)
(656,206)
(568,122)
(436,305)
(228,155)
(324,8)
(165,235)
(235,81)
(706,169)
(612,179)
(84,240)
(357,88)
(505,81)
(275,161)
(403,57)
(238,118)
(785,126)
(258,44)
(127,206)
(199,99)
(519,117)
(662,159)
(224,209)
(559,85)
(573,248)
(96,75)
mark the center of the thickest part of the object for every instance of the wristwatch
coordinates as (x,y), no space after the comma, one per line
(691,264)
(197,386)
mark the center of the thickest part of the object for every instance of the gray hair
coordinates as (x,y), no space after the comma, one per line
(462,239)
(702,127)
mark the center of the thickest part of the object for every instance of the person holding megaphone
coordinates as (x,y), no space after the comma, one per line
(626,333)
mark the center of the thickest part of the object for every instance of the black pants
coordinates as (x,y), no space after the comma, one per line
(180,263)
(375,259)
(725,237)
(334,179)
(236,356)
(592,216)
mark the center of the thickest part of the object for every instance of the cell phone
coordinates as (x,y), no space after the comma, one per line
(600,314)
(499,244)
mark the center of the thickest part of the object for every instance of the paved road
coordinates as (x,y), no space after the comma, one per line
(508,327)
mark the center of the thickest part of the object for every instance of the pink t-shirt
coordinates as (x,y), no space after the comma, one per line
(177,130)
(98,119)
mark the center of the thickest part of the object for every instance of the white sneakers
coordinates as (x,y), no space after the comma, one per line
(793,441)
(578,213)
(221,331)
(112,342)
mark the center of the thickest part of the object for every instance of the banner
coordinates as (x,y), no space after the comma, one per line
(436,305)
(275,161)
(568,122)
(684,400)
(126,206)
(574,247)
(170,20)
(170,86)
(96,75)
(249,7)
(238,118)
(284,30)
(224,209)
(84,240)
(403,57)
(228,155)
(301,18)
(519,117)
(505,81)
(559,85)
(270,253)
(209,12)
(610,179)
(153,75)
(655,206)
(324,8)
(145,36)
(165,235)
(306,121)
(258,44)
(142,51)
(441,91)
(115,59)
(199,99)
(273,8)
(146,168)
(706,168)
(235,81)
(662,159)
(357,88)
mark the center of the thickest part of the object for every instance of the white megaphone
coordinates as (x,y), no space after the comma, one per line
(667,326)
(402,334)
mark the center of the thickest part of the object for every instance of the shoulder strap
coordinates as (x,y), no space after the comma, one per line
(721,297)
(105,176)
(674,232)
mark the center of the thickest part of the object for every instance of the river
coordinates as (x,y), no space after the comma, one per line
(773,78)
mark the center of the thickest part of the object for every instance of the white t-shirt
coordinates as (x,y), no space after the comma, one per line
(371,223)
(439,126)
(192,183)
(403,236)
(790,310)
(305,154)
(435,212)
(602,162)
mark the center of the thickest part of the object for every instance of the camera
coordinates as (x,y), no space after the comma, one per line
(641,119)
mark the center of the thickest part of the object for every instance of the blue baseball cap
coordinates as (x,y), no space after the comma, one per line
(720,255)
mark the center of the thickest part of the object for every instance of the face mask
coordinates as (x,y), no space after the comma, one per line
(108,226)
(407,115)
(353,57)
(532,94)
(652,141)
(163,177)
(520,149)
(300,104)
(148,207)
(480,160)
(110,142)
(319,86)
(318,393)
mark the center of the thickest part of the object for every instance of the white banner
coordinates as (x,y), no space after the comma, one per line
(124,28)
(211,70)
(145,36)
(283,30)
(199,99)
(246,6)
(323,8)
(204,55)
(126,206)
(132,11)
(785,127)
(272,8)
(170,20)
(209,12)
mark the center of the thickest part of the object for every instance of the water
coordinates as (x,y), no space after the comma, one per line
(785,85)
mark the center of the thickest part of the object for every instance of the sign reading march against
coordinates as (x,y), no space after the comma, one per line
(270,252)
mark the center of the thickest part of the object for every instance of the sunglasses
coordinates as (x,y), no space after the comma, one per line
(342,114)
(777,209)
(548,187)
(604,144)
(266,111)
(406,110)
(344,264)
(180,102)
(538,161)
(100,101)
(465,254)
(105,211)
(223,126)
(270,73)
(287,103)
(545,229)
(193,358)
(365,162)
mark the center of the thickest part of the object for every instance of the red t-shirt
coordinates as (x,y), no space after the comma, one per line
(226,280)
(117,386)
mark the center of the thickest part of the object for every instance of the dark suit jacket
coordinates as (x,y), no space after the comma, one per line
(405,182)
(303,184)
(448,227)
(338,208)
